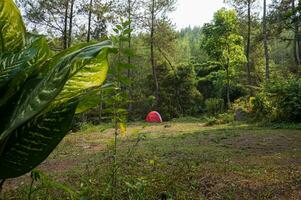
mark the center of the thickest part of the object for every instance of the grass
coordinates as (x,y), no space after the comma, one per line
(182,159)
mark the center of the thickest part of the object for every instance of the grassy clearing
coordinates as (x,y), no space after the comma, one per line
(176,160)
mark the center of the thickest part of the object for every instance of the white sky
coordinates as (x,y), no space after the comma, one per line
(195,12)
(198,12)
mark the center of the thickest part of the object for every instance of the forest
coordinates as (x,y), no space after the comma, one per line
(109,99)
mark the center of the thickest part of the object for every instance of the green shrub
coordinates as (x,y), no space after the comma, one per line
(285,97)
(214,106)
(260,105)
(279,101)
(210,121)
(241,103)
(223,118)
(226,118)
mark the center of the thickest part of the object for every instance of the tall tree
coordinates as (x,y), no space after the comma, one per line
(65,36)
(156,10)
(223,43)
(130,33)
(265,41)
(244,9)
(129,9)
(152,31)
(71,22)
(249,44)
(296,22)
(48,17)
(286,17)
(89,20)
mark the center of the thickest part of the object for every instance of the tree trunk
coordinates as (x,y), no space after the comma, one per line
(89,21)
(70,23)
(265,41)
(152,51)
(130,47)
(65,37)
(296,42)
(228,78)
(248,65)
(130,34)
(228,88)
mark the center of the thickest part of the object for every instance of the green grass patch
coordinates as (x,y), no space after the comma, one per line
(177,160)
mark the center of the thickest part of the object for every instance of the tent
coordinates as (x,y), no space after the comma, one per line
(154,117)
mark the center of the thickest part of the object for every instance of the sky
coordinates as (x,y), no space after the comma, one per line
(195,12)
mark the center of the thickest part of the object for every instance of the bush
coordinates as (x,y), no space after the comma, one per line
(260,106)
(214,106)
(246,108)
(279,101)
(241,103)
(285,97)
(210,121)
(224,118)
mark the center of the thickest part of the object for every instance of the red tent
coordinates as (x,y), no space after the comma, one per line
(154,117)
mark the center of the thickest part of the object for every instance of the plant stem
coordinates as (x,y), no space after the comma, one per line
(115,152)
(30,189)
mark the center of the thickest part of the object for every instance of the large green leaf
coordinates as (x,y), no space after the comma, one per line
(15,68)
(11,64)
(39,94)
(62,67)
(12,29)
(92,98)
(30,144)
(89,77)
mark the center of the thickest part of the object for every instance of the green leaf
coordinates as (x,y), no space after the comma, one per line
(89,100)
(16,68)
(31,143)
(116,30)
(12,29)
(62,67)
(93,97)
(39,93)
(126,23)
(89,77)
(12,64)
(119,27)
(127,31)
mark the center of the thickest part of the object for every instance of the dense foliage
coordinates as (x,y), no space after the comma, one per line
(178,93)
(178,72)
(280,100)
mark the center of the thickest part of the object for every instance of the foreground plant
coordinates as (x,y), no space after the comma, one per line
(117,97)
(40,92)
